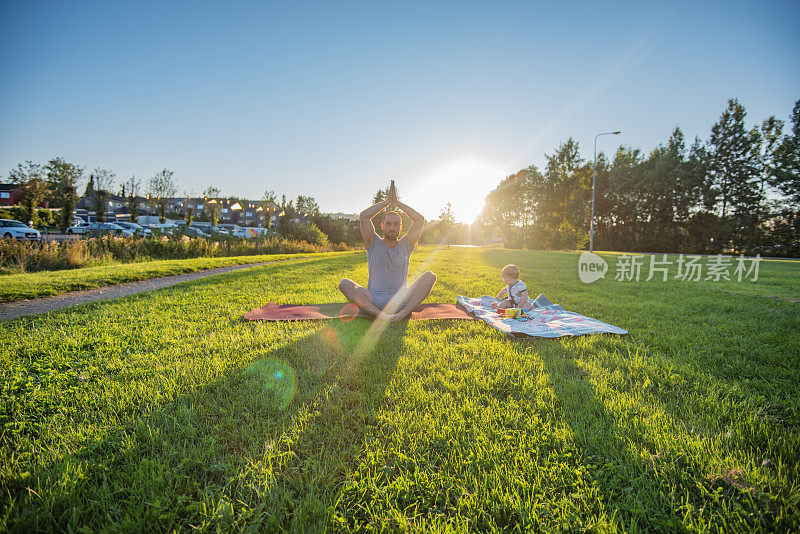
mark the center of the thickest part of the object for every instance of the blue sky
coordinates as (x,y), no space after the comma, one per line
(334,99)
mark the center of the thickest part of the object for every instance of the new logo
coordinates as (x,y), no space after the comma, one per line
(591,267)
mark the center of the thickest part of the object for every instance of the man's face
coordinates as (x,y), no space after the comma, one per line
(391,226)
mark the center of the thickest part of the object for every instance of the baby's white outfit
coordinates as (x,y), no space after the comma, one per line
(515,293)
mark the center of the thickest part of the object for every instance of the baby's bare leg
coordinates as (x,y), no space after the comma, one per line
(505,304)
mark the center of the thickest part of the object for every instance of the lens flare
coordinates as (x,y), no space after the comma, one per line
(348,312)
(276,381)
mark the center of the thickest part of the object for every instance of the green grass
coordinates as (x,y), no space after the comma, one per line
(166,411)
(15,287)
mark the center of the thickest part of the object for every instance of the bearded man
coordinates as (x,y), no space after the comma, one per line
(388,297)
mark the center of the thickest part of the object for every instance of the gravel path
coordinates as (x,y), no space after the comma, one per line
(15,310)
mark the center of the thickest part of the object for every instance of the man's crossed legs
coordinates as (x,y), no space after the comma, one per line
(396,309)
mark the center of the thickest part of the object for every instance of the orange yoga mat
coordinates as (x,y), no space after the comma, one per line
(314,312)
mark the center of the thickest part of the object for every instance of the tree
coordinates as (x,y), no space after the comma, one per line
(103,181)
(287,213)
(89,191)
(446,222)
(268,203)
(505,208)
(335,229)
(661,191)
(132,188)
(734,165)
(63,179)
(565,198)
(307,205)
(786,179)
(188,211)
(786,176)
(162,188)
(447,214)
(381,195)
(30,177)
(211,204)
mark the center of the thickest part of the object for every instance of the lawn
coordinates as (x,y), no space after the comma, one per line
(14,287)
(166,411)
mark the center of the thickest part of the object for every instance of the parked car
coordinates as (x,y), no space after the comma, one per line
(162,229)
(135,228)
(100,228)
(218,231)
(231,229)
(196,232)
(11,229)
(78,228)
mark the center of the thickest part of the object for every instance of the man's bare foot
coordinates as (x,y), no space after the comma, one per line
(400,316)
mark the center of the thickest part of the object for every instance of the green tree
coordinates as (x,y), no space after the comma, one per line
(211,205)
(786,175)
(662,179)
(446,223)
(103,181)
(30,178)
(734,166)
(505,207)
(132,189)
(335,229)
(268,203)
(381,195)
(63,180)
(161,188)
(566,197)
(287,213)
(307,205)
(447,214)
(89,191)
(188,212)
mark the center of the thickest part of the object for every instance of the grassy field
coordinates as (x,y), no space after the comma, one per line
(15,287)
(167,411)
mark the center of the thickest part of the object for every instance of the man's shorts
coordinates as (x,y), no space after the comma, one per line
(380,300)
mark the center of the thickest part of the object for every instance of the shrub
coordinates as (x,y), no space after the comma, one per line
(304,232)
(41,217)
(20,256)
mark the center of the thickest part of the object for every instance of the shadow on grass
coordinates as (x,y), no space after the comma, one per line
(266,446)
(623,456)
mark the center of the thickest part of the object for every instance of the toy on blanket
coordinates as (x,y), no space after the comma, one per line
(513,313)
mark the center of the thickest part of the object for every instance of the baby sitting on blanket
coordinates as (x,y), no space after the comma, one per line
(515,291)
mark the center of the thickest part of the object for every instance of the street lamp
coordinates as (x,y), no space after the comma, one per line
(594,177)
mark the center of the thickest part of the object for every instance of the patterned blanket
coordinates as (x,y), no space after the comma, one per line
(544,320)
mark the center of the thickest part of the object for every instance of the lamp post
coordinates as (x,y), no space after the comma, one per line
(594,178)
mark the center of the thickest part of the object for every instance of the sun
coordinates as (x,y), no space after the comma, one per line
(462,181)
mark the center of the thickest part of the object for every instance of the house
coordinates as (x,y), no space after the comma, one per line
(116,208)
(11,194)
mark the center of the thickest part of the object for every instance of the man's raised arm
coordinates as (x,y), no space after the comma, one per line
(367,230)
(417,222)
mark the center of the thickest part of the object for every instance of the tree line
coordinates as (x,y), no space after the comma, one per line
(737,191)
(58,181)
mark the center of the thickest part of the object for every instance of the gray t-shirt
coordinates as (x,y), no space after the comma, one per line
(388,267)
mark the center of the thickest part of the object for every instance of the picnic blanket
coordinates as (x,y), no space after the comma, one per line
(315,312)
(544,320)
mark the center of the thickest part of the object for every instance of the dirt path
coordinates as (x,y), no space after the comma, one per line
(23,308)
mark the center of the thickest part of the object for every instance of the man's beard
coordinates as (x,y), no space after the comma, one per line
(391,234)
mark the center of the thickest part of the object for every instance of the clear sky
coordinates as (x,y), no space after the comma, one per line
(333,99)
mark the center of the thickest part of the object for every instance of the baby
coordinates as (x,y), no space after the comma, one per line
(515,291)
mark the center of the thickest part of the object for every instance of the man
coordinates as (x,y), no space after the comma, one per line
(387,295)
